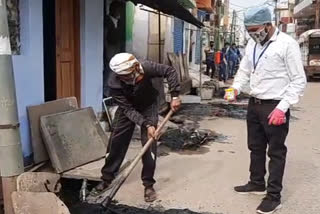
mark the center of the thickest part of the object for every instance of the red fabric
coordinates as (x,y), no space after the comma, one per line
(204,4)
(277,117)
(218,57)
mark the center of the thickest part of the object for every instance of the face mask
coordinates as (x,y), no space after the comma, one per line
(134,75)
(131,81)
(259,36)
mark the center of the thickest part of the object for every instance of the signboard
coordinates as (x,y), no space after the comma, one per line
(283,5)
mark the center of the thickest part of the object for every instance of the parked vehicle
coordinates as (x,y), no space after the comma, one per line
(310,48)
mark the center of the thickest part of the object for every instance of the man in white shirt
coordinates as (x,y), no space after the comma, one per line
(272,69)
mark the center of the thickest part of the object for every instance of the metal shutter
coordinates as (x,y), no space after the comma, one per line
(201,15)
(178,35)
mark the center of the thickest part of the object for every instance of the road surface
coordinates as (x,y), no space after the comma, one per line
(204,182)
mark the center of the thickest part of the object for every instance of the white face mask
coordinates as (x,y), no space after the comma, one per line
(259,36)
(132,81)
(134,75)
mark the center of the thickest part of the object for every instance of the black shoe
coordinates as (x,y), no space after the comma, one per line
(269,205)
(250,188)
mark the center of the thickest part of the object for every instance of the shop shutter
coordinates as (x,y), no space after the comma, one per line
(178,35)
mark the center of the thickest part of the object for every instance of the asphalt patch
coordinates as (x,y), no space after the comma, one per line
(198,112)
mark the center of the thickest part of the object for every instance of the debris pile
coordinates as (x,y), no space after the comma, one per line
(182,139)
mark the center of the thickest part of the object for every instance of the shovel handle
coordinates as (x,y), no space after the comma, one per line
(122,178)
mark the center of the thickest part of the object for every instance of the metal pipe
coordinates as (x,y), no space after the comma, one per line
(151,11)
(11,164)
(200,78)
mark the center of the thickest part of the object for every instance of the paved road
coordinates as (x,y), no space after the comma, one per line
(204,182)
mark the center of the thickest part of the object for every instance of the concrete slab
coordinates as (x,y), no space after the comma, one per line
(92,171)
(73,138)
(35,112)
(38,182)
(37,203)
(190,99)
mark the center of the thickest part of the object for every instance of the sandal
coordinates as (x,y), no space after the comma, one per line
(150,194)
(100,188)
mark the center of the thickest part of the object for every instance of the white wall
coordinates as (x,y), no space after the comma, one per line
(91,53)
(140,33)
(28,67)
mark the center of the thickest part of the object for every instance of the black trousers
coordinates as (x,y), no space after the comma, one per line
(212,66)
(265,139)
(120,138)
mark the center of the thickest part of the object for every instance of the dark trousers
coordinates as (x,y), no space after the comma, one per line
(210,66)
(223,73)
(265,139)
(120,138)
(231,65)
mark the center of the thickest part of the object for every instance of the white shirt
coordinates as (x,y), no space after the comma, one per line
(279,74)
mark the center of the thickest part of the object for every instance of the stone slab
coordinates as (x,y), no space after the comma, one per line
(190,99)
(37,203)
(92,171)
(35,112)
(38,182)
(73,138)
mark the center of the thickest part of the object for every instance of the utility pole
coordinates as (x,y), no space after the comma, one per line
(276,12)
(317,22)
(159,38)
(231,37)
(11,164)
(217,25)
(234,26)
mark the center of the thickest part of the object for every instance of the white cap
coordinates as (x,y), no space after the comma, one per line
(122,63)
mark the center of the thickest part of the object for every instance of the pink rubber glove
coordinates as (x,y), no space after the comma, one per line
(277,117)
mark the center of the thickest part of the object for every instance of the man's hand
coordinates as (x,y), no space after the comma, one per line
(175,104)
(277,117)
(151,132)
(232,98)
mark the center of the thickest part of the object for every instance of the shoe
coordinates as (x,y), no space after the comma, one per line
(150,194)
(100,188)
(250,188)
(269,205)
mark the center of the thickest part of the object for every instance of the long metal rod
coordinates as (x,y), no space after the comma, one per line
(122,177)
(11,164)
(200,73)
(151,11)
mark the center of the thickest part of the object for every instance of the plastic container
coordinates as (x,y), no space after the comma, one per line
(207,92)
(230,94)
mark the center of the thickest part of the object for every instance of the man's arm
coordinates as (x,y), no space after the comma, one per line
(129,110)
(242,77)
(297,77)
(165,71)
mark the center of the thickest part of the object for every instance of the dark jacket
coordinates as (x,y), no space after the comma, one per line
(135,99)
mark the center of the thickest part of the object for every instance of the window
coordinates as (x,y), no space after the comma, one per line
(314,46)
(14,25)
